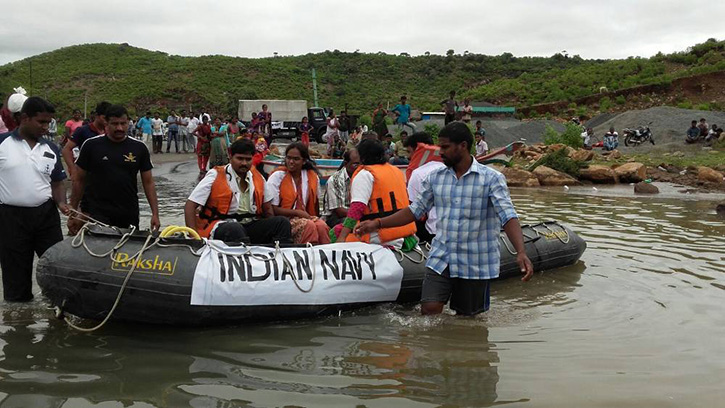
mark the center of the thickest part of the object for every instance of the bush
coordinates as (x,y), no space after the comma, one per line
(621,100)
(365,120)
(560,161)
(703,107)
(604,104)
(570,137)
(432,129)
(685,105)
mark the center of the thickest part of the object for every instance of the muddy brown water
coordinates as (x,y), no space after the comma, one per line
(638,322)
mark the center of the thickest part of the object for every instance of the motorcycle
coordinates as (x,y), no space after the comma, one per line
(635,137)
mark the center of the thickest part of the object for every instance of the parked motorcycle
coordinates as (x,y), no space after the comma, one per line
(635,137)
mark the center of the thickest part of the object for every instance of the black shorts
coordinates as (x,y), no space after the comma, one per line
(468,296)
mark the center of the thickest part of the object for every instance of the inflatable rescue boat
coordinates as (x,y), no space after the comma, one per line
(178,281)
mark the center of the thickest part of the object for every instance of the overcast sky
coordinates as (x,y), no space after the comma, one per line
(601,29)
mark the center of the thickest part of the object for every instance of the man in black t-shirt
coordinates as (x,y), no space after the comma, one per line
(106,176)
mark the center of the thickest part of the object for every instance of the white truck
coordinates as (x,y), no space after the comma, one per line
(286,114)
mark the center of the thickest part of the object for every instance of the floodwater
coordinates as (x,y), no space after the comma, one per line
(638,322)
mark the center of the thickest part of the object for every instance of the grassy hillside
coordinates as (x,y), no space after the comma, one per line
(144,79)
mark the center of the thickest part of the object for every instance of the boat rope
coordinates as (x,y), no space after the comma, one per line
(139,254)
(507,244)
(402,255)
(564,240)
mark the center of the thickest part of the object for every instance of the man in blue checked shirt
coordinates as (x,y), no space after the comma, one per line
(472,202)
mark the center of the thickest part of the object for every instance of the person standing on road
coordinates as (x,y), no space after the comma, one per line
(184,130)
(31,187)
(190,142)
(265,118)
(344,127)
(203,144)
(83,133)
(71,125)
(106,175)
(144,125)
(173,126)
(449,108)
(157,133)
(403,111)
(472,203)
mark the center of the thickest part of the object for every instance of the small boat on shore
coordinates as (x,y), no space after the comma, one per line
(187,282)
(327,167)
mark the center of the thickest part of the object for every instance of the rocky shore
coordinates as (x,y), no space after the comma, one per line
(607,168)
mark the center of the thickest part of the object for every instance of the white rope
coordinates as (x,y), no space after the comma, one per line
(402,255)
(59,311)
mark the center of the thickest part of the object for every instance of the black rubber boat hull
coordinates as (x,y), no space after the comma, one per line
(87,286)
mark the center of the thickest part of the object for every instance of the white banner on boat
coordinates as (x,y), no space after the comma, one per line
(337,273)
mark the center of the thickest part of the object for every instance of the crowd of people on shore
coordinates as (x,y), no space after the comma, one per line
(366,200)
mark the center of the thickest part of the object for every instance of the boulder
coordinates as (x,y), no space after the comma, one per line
(520,178)
(582,155)
(646,188)
(631,172)
(599,174)
(720,209)
(614,155)
(709,175)
(550,177)
(559,146)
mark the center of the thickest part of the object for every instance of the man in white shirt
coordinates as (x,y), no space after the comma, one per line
(157,133)
(425,229)
(31,187)
(183,122)
(481,145)
(190,141)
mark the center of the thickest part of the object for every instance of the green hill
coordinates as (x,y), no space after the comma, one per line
(144,79)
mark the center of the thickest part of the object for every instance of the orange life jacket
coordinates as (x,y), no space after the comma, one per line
(388,196)
(288,192)
(423,154)
(220,199)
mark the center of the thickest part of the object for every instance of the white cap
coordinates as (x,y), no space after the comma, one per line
(16,100)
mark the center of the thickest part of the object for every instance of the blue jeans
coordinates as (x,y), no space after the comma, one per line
(173,135)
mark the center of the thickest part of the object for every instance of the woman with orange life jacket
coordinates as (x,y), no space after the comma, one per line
(233,203)
(377,189)
(293,191)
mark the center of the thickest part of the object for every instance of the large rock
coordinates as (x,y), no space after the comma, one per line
(614,155)
(631,172)
(550,177)
(709,175)
(599,174)
(520,178)
(582,155)
(645,188)
(559,146)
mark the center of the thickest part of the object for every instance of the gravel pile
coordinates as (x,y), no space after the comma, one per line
(669,124)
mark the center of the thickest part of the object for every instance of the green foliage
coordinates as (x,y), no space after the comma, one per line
(366,120)
(604,104)
(570,137)
(432,129)
(560,161)
(621,100)
(686,104)
(704,107)
(142,79)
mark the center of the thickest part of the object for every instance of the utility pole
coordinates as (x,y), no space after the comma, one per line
(31,76)
(314,86)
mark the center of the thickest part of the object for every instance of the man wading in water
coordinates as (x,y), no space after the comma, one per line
(472,202)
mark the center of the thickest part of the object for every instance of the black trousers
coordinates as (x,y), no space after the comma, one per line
(257,232)
(23,232)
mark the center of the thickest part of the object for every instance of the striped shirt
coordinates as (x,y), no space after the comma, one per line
(471,211)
